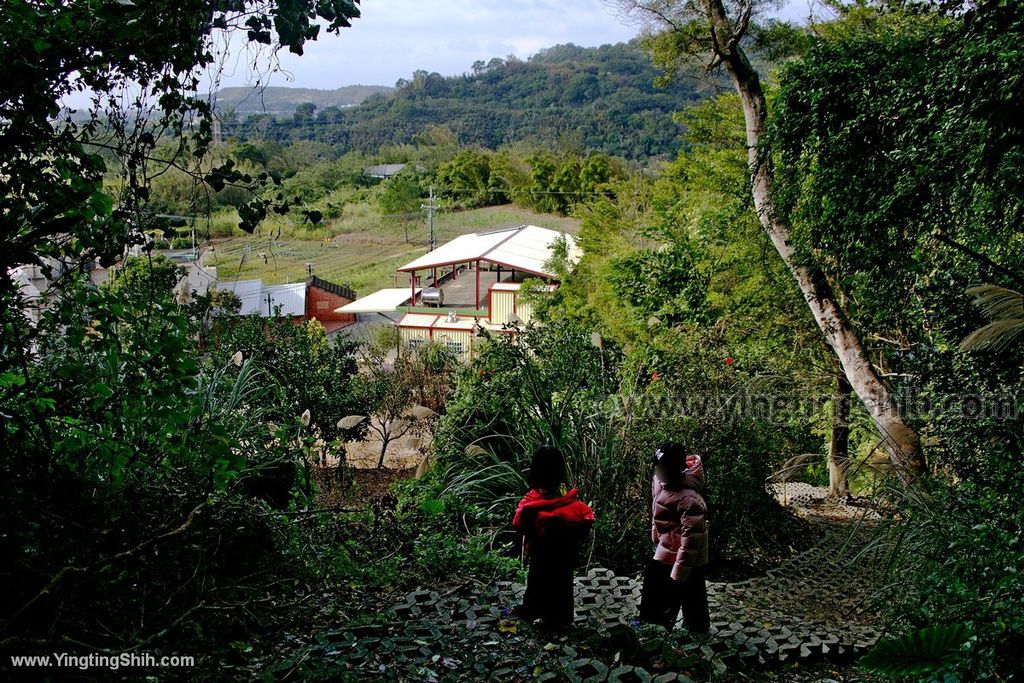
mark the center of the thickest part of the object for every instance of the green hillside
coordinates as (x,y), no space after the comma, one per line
(602,98)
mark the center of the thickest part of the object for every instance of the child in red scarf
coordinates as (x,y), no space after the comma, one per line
(554,525)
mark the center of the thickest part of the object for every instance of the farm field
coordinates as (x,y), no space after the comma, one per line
(361,251)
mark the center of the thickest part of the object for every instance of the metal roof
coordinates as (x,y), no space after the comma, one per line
(516,286)
(383,170)
(291,298)
(460,323)
(417,320)
(526,248)
(381,301)
(437,322)
(253,295)
(25,279)
(464,248)
(247,291)
(530,249)
(197,279)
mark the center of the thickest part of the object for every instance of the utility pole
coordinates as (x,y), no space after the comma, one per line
(270,311)
(431,208)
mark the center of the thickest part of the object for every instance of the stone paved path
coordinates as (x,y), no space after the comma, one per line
(812,608)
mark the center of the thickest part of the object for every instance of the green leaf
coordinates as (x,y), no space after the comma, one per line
(432,506)
(918,653)
(101,203)
(11,379)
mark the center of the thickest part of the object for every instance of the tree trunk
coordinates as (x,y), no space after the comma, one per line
(901,441)
(839,443)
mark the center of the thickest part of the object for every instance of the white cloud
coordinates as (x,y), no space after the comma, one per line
(395,37)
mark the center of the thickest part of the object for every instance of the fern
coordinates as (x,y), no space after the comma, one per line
(924,652)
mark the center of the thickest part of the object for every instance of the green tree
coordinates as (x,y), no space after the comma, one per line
(714,31)
(146,280)
(899,167)
(543,168)
(307,372)
(467,179)
(401,193)
(111,422)
(304,113)
(666,284)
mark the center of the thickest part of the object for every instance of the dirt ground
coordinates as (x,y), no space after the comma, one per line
(362,488)
(365,482)
(401,454)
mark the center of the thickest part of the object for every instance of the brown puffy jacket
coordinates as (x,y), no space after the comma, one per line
(679,525)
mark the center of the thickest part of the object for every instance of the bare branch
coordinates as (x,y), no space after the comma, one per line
(741,29)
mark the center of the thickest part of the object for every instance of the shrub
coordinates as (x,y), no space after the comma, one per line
(956,560)
(560,385)
(124,467)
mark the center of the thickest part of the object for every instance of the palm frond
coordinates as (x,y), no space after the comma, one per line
(1005,308)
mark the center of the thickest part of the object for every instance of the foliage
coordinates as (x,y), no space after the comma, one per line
(666,284)
(402,393)
(606,411)
(878,129)
(467,177)
(113,424)
(926,651)
(401,194)
(145,279)
(606,95)
(1005,310)
(306,370)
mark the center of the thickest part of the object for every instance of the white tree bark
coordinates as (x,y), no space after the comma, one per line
(900,440)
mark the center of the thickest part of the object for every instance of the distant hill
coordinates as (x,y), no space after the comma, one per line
(604,97)
(284,100)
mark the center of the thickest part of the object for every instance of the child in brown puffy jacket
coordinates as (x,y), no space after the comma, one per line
(675,576)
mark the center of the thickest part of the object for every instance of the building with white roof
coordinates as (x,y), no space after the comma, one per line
(268,301)
(315,298)
(475,282)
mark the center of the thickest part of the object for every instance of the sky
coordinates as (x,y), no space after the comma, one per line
(393,38)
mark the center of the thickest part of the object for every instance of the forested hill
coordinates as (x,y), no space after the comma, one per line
(280,100)
(605,95)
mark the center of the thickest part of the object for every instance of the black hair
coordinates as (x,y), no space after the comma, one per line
(672,456)
(547,469)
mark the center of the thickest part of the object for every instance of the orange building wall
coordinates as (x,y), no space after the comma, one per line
(320,304)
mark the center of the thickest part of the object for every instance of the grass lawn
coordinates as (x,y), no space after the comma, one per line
(362,249)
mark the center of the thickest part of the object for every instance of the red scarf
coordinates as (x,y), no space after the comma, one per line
(536,508)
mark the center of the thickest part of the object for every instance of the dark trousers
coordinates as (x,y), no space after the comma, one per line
(662,598)
(549,587)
